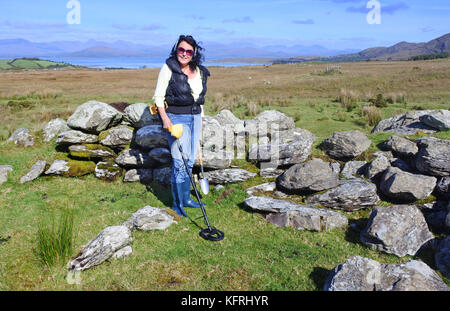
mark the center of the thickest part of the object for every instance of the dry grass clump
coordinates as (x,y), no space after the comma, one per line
(372,115)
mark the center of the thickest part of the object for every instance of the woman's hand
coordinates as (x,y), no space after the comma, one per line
(166,122)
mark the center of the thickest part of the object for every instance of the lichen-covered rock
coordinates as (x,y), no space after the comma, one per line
(22,137)
(4,170)
(218,159)
(54,127)
(400,230)
(405,124)
(107,243)
(433,157)
(116,137)
(70,168)
(143,175)
(311,176)
(108,171)
(94,117)
(138,115)
(88,151)
(352,168)
(402,147)
(149,218)
(438,119)
(35,171)
(229,175)
(365,274)
(346,145)
(406,187)
(376,167)
(266,187)
(350,195)
(134,158)
(76,137)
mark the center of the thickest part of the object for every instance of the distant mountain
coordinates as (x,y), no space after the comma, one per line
(13,48)
(400,51)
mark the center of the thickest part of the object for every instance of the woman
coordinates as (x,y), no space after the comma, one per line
(179,94)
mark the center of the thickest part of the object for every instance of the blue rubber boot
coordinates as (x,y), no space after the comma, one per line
(187,201)
(177,194)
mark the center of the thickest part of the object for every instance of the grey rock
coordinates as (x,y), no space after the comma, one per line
(144,175)
(376,167)
(433,157)
(36,170)
(438,215)
(350,195)
(151,136)
(314,175)
(116,137)
(365,274)
(134,158)
(438,119)
(266,187)
(405,124)
(401,146)
(107,171)
(268,117)
(54,127)
(161,156)
(4,170)
(219,159)
(229,175)
(352,168)
(346,145)
(399,163)
(22,137)
(400,230)
(76,137)
(91,151)
(58,167)
(267,172)
(287,214)
(406,187)
(108,242)
(149,218)
(139,115)
(442,256)
(216,136)
(94,117)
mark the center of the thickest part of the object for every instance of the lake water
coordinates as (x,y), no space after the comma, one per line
(131,63)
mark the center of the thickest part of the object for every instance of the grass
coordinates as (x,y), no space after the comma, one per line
(254,255)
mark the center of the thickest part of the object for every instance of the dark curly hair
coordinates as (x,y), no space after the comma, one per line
(197,58)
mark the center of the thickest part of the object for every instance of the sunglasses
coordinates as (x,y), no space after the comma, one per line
(180,50)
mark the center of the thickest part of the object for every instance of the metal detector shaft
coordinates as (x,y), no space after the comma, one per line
(193,184)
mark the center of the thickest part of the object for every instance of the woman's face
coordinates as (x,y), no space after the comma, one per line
(184,58)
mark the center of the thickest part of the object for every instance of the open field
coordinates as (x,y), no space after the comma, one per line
(254,255)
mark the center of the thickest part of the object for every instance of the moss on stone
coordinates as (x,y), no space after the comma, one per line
(79,168)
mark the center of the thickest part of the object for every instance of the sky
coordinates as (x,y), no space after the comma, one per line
(335,24)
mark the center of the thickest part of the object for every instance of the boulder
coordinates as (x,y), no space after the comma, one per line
(108,171)
(438,119)
(139,115)
(216,136)
(229,175)
(151,136)
(70,168)
(94,117)
(161,156)
(144,175)
(162,175)
(266,118)
(88,151)
(442,256)
(406,187)
(376,167)
(270,172)
(36,170)
(438,216)
(22,137)
(116,137)
(365,274)
(266,187)
(54,127)
(352,168)
(350,195)
(287,214)
(402,147)
(405,124)
(108,242)
(314,175)
(400,230)
(346,145)
(218,159)
(149,218)
(443,188)
(433,157)
(4,170)
(72,137)
(134,158)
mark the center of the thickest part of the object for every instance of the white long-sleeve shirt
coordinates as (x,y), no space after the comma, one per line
(163,81)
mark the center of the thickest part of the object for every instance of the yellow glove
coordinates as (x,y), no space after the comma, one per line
(176,130)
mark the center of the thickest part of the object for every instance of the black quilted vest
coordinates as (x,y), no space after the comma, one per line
(179,93)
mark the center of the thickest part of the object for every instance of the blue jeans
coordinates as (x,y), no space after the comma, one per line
(189,143)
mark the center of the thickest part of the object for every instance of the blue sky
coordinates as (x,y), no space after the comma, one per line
(337,24)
